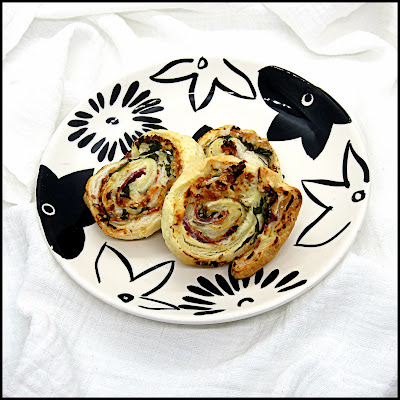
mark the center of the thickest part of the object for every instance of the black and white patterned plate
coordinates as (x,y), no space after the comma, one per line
(320,151)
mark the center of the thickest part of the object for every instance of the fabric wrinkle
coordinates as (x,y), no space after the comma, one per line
(337,339)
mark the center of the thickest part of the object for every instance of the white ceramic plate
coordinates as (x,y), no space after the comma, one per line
(320,151)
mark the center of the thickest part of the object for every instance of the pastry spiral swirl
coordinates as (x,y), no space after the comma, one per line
(227,210)
(126,197)
(242,143)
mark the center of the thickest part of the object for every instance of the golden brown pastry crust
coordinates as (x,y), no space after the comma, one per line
(242,143)
(226,210)
(126,197)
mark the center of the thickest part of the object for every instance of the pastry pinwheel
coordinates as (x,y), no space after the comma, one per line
(242,143)
(227,210)
(126,197)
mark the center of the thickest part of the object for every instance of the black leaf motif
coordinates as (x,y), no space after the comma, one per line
(223,284)
(97,145)
(86,140)
(94,105)
(149,120)
(103,152)
(124,150)
(85,115)
(199,291)
(153,126)
(293,286)
(77,134)
(192,307)
(112,151)
(287,278)
(140,98)
(209,285)
(129,94)
(77,122)
(258,275)
(270,278)
(197,300)
(146,104)
(115,93)
(245,282)
(122,258)
(208,312)
(234,282)
(165,279)
(100,99)
(151,110)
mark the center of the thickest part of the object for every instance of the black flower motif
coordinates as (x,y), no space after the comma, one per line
(184,69)
(118,119)
(216,296)
(338,199)
(138,289)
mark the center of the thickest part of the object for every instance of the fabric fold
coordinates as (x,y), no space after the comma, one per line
(337,28)
(45,368)
(16,20)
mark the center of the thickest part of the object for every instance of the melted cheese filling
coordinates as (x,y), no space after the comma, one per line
(238,149)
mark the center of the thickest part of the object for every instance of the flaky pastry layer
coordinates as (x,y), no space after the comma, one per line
(126,197)
(227,210)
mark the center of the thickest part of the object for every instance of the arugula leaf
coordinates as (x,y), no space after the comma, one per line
(125,192)
(264,152)
(119,168)
(125,214)
(263,208)
(259,150)
(154,156)
(257,210)
(246,241)
(153,147)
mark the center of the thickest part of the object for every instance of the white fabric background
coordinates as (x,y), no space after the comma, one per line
(337,340)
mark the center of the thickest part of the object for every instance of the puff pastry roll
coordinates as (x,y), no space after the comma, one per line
(126,197)
(227,210)
(242,143)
